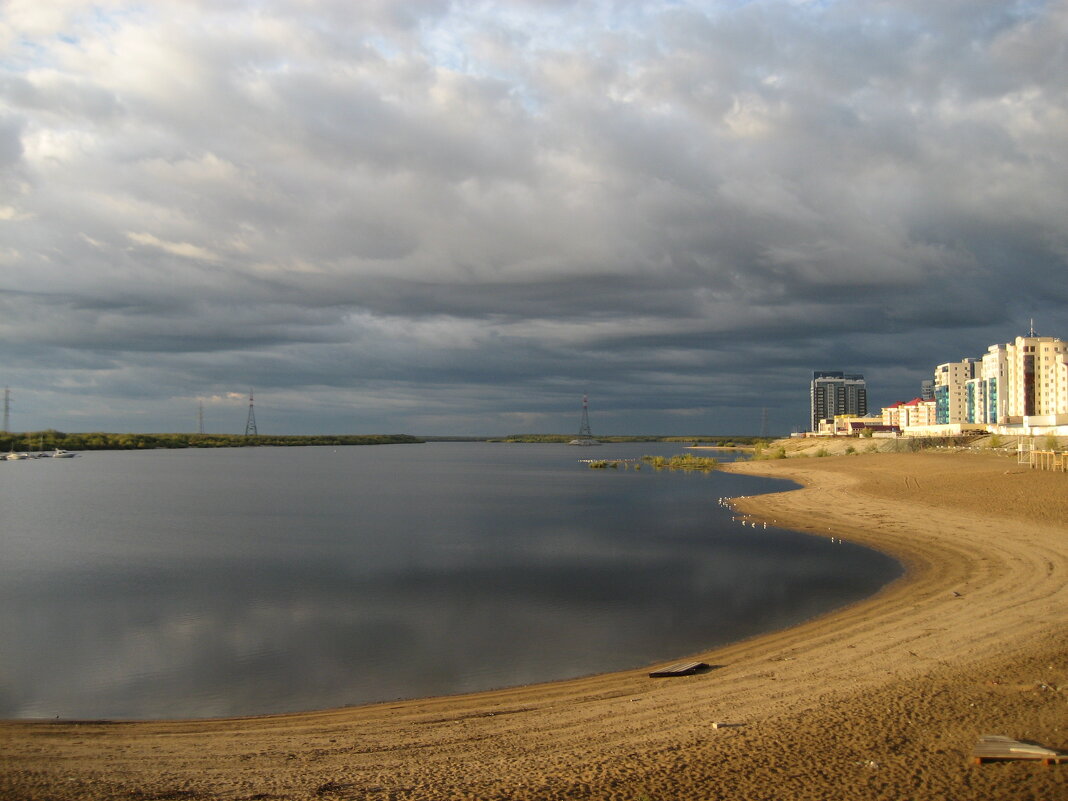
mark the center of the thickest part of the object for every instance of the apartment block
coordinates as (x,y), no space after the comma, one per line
(1036,385)
(950,390)
(836,393)
(986,395)
(916,412)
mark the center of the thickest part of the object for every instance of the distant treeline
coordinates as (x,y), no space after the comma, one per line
(717,441)
(100,441)
(103,441)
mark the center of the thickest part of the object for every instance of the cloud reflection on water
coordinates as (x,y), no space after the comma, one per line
(597,573)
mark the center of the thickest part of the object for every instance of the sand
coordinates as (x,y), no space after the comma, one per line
(881,700)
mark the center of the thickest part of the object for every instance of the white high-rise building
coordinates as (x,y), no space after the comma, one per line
(950,390)
(986,399)
(1037,381)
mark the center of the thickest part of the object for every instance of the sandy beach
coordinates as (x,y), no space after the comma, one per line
(882,700)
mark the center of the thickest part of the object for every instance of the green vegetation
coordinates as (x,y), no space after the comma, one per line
(761,452)
(917,444)
(703,439)
(538,438)
(99,441)
(684,461)
(760,447)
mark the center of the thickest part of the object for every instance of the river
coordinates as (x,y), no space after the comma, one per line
(203,583)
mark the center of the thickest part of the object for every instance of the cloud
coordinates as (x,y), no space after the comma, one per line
(414,213)
(184,249)
(10,142)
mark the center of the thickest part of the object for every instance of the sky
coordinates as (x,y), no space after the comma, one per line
(457,218)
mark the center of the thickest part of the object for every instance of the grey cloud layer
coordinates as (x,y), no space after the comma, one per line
(673,205)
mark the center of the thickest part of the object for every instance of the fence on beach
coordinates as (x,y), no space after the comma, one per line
(1049,460)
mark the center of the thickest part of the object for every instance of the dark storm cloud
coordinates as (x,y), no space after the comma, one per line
(458,218)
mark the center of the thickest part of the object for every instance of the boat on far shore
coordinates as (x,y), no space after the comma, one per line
(58,453)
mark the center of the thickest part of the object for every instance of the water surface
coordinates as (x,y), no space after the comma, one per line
(198,583)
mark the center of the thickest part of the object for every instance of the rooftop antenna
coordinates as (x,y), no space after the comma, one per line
(1032,334)
(250,424)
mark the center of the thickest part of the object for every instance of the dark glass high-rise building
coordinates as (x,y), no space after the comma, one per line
(834,393)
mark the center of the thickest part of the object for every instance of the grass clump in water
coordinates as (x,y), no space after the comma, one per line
(683,461)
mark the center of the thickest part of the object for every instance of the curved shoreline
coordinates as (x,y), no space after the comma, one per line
(905,680)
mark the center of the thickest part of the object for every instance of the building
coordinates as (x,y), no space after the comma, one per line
(1036,385)
(986,395)
(1021,383)
(836,393)
(950,390)
(1020,387)
(851,425)
(916,412)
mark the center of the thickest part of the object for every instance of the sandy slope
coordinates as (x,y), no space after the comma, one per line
(880,701)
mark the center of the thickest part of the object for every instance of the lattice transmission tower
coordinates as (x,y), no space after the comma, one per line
(585,436)
(250,424)
(7,409)
(584,429)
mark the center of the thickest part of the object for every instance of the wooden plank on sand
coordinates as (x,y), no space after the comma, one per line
(994,746)
(678,669)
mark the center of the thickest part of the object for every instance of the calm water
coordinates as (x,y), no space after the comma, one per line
(227,582)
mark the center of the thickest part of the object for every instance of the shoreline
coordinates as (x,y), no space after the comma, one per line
(881,699)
